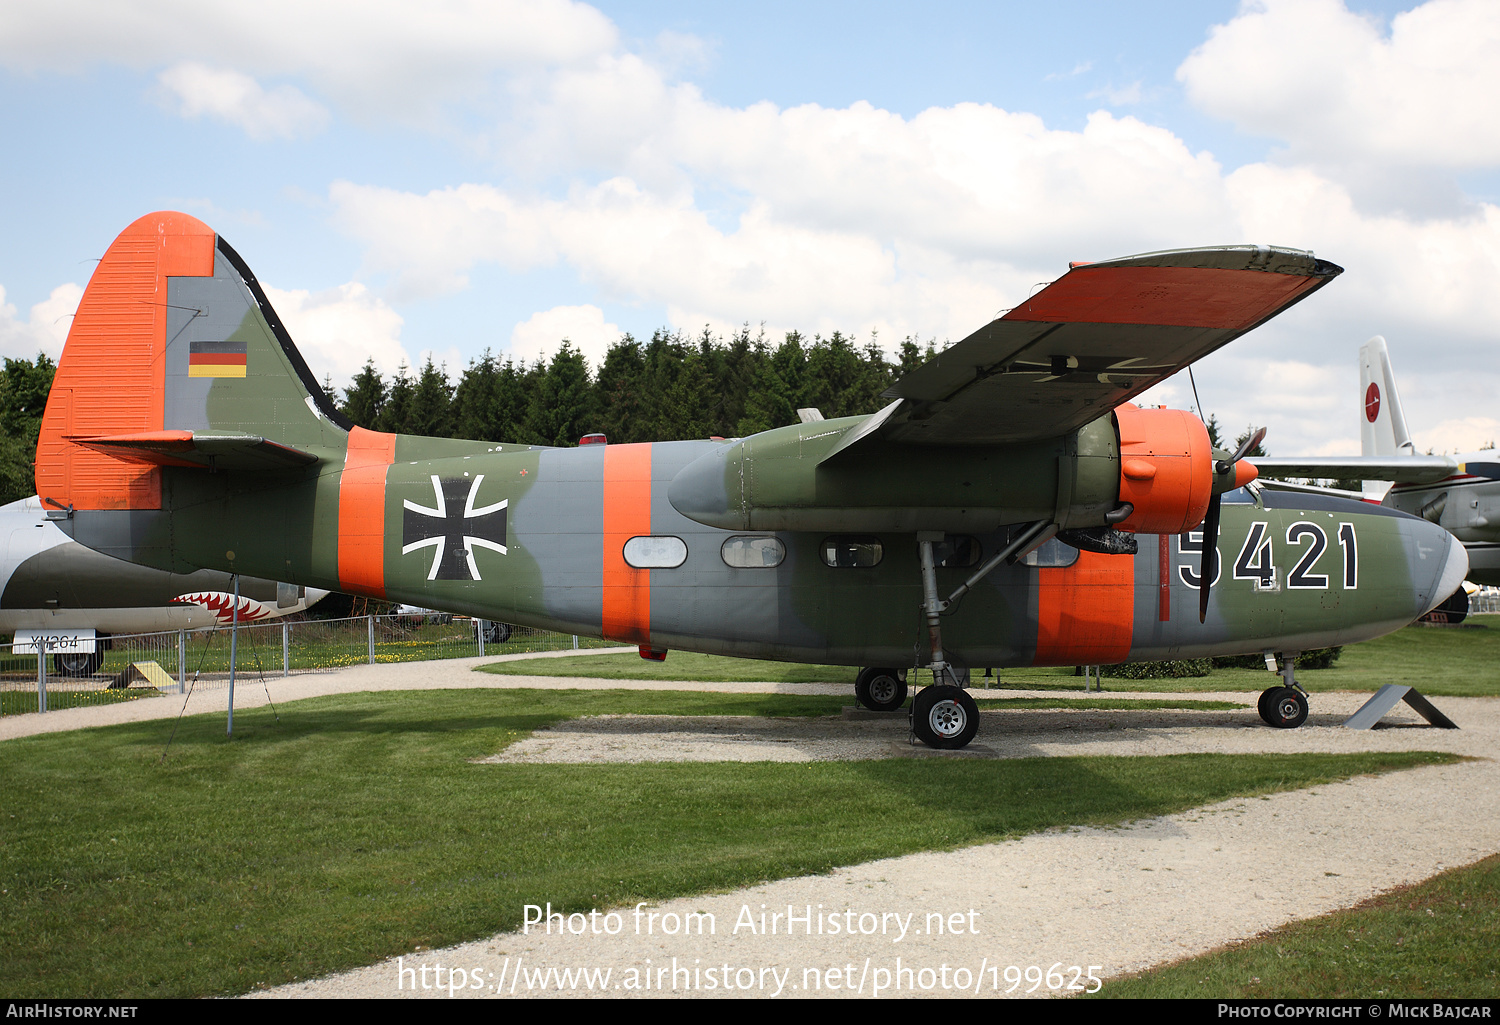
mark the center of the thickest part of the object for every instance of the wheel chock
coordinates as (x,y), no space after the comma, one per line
(1385,699)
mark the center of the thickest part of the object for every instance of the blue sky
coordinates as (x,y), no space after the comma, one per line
(441,178)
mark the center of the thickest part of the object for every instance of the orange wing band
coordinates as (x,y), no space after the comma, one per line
(362,512)
(625,608)
(1085,611)
(1170,296)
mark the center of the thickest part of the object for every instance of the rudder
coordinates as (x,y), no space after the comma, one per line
(173,340)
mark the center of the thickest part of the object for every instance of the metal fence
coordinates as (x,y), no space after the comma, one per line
(1486,600)
(130,666)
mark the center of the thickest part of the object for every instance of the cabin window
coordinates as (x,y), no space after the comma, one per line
(753,552)
(956,551)
(852,551)
(660,552)
(1052,554)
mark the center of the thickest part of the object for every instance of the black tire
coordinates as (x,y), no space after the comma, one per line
(1288,709)
(1452,611)
(496,633)
(944,717)
(1263,706)
(880,690)
(77,663)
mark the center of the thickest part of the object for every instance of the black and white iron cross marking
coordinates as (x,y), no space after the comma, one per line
(461,529)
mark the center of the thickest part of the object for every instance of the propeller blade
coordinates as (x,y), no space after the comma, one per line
(1245,446)
(1210,556)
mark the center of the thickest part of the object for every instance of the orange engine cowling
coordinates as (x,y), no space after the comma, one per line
(1166,469)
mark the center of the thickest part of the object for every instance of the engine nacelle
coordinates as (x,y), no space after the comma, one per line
(1166,469)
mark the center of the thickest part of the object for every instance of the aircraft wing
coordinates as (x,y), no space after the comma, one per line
(1094,338)
(1401,469)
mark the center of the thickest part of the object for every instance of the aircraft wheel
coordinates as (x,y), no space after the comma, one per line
(78,663)
(1288,708)
(880,690)
(496,633)
(944,717)
(1263,706)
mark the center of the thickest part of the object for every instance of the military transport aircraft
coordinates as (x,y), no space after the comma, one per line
(1008,507)
(1460,493)
(54,588)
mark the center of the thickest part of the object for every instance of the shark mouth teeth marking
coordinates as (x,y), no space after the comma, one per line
(222,606)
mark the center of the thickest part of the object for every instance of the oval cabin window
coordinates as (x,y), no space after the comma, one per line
(852,551)
(749,552)
(655,552)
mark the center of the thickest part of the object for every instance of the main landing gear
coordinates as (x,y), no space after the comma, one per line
(880,690)
(944,717)
(1284,707)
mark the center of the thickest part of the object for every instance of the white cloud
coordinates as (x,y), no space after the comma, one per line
(1458,435)
(339,329)
(1119,96)
(282,113)
(378,56)
(858,218)
(1336,87)
(44,330)
(543,333)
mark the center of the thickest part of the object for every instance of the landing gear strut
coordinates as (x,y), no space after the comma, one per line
(1284,707)
(943,715)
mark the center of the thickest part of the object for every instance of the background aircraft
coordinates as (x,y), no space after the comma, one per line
(54,587)
(1459,493)
(1010,474)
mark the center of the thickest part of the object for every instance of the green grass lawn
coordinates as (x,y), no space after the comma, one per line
(357,827)
(26,701)
(1436,939)
(1461,661)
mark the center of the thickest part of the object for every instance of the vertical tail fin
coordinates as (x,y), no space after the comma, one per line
(1382,427)
(173,340)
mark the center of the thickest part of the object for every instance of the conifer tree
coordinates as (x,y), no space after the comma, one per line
(430,401)
(365,397)
(397,409)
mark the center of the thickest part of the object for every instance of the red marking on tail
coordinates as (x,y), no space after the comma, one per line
(111,378)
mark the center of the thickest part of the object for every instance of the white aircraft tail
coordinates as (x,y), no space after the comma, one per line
(1382,427)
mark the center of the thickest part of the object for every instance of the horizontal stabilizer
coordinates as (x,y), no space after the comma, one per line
(187,448)
(1402,469)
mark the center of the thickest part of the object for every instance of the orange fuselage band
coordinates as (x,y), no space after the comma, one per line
(362,512)
(625,608)
(1086,611)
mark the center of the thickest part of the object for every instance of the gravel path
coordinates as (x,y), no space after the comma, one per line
(929,924)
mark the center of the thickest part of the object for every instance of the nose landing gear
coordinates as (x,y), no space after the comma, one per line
(1284,707)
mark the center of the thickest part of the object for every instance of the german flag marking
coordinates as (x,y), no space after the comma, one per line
(216,359)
